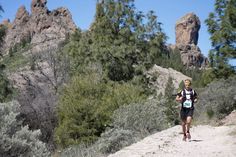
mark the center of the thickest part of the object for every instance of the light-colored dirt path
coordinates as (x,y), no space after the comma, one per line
(207,141)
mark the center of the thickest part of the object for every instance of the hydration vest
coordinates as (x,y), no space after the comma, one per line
(188,98)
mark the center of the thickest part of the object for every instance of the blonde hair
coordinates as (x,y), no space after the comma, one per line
(188,80)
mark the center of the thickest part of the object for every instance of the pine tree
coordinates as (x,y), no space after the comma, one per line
(170,111)
(221,26)
(122,39)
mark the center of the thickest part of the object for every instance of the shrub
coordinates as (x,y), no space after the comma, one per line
(114,139)
(15,139)
(81,150)
(131,123)
(141,118)
(216,100)
(86,107)
(6,91)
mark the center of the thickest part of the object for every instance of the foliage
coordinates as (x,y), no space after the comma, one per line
(2,33)
(131,123)
(222,28)
(81,150)
(79,51)
(216,100)
(142,118)
(206,77)
(6,91)
(23,45)
(58,62)
(86,107)
(170,111)
(15,139)
(115,139)
(120,40)
(15,61)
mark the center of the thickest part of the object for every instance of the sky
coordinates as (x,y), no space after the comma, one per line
(168,12)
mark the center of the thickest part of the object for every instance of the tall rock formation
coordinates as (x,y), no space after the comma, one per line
(44,29)
(186,31)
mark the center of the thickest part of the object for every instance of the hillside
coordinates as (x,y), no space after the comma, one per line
(206,141)
(93,92)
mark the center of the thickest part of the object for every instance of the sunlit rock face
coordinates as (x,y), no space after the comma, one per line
(42,28)
(187,32)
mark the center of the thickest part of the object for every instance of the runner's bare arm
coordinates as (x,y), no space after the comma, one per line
(195,97)
(178,98)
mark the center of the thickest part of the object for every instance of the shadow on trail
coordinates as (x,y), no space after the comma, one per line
(196,140)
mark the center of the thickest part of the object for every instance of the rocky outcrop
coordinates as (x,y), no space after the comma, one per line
(44,29)
(158,78)
(186,31)
(19,28)
(191,56)
(38,80)
(38,6)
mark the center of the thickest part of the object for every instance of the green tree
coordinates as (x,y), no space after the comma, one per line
(221,26)
(156,45)
(87,105)
(121,37)
(170,111)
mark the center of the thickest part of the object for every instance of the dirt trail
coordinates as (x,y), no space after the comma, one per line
(207,141)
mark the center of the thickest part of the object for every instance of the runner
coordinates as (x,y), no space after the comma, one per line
(187,97)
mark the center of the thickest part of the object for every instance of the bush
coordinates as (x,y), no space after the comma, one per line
(6,91)
(115,139)
(15,139)
(141,118)
(216,100)
(132,123)
(16,61)
(87,105)
(81,150)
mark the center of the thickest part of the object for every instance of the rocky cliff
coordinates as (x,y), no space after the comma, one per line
(42,28)
(37,81)
(187,32)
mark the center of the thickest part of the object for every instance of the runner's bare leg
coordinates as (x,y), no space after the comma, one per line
(188,123)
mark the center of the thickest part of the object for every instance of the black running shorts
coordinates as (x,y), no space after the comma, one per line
(186,112)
